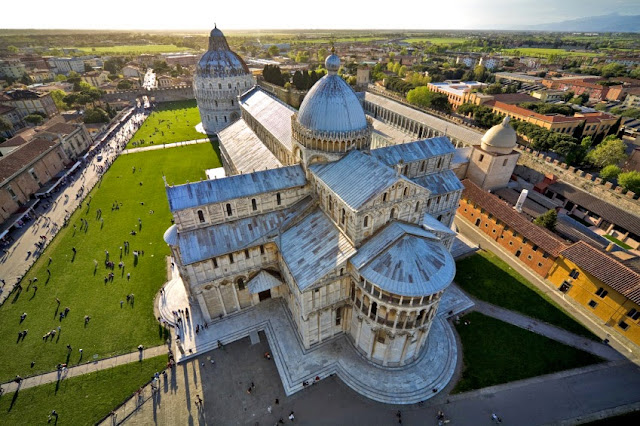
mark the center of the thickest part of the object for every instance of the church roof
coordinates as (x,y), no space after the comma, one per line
(219,60)
(440,183)
(218,190)
(331,105)
(314,247)
(274,115)
(356,177)
(406,260)
(245,150)
(263,281)
(414,151)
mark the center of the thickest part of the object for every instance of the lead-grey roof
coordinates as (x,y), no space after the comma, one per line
(441,182)
(217,190)
(414,151)
(228,237)
(261,282)
(430,223)
(245,150)
(314,247)
(356,177)
(405,260)
(450,129)
(274,115)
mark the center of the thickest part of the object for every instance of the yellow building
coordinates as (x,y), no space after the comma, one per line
(602,284)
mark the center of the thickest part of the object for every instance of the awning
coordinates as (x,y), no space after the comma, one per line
(16,217)
(58,178)
(263,281)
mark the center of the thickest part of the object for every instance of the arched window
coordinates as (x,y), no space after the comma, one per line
(330,204)
(343,216)
(417,206)
(201,216)
(439,162)
(374,308)
(231,102)
(229,211)
(216,102)
(366,221)
(254,205)
(219,85)
(384,197)
(229,85)
(278,198)
(240,284)
(225,118)
(405,192)
(393,213)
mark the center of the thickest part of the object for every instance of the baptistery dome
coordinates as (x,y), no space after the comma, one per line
(221,75)
(331,105)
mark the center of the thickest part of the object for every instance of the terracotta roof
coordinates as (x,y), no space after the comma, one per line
(23,156)
(5,109)
(514,98)
(514,109)
(607,211)
(61,128)
(605,268)
(14,141)
(540,236)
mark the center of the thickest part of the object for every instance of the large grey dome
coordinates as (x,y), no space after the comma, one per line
(219,60)
(331,105)
(501,138)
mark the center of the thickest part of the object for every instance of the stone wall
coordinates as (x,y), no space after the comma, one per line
(158,95)
(596,186)
(292,97)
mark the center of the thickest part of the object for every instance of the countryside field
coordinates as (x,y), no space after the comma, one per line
(543,52)
(436,40)
(135,49)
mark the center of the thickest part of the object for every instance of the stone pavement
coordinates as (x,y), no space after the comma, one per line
(590,321)
(15,262)
(548,330)
(403,385)
(164,145)
(89,367)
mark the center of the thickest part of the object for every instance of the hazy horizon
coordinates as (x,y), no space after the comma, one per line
(197,15)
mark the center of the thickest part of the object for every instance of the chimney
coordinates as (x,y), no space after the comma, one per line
(521,200)
(610,247)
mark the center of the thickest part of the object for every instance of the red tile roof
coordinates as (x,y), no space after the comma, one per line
(605,268)
(542,237)
(514,109)
(23,156)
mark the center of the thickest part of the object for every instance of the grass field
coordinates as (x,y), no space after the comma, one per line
(488,278)
(543,52)
(495,352)
(82,400)
(618,242)
(134,49)
(80,285)
(169,122)
(436,40)
(336,40)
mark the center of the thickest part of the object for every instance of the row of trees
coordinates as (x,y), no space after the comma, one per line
(304,80)
(424,97)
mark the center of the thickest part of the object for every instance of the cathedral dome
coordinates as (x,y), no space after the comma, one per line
(219,60)
(331,105)
(500,139)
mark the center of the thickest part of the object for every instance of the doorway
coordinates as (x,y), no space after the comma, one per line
(264,295)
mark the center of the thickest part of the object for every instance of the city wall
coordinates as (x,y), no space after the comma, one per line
(178,93)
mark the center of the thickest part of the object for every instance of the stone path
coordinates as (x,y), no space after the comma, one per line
(433,370)
(548,330)
(89,367)
(165,145)
(590,321)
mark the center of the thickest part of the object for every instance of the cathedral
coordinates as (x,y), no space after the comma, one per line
(355,238)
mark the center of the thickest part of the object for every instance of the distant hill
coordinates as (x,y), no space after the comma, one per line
(601,24)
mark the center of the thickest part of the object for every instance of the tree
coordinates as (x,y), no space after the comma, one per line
(547,220)
(5,125)
(611,70)
(630,181)
(34,119)
(610,151)
(568,96)
(58,98)
(61,77)
(273,50)
(424,97)
(96,115)
(124,85)
(610,172)
(480,73)
(494,89)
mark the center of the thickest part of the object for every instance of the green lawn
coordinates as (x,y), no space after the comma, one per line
(544,52)
(487,277)
(618,242)
(495,352)
(169,122)
(436,40)
(82,400)
(112,329)
(135,49)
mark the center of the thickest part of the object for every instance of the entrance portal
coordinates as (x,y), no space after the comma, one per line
(264,295)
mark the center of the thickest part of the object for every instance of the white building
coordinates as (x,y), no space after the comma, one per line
(355,240)
(221,75)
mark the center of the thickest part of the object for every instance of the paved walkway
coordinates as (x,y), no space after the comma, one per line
(165,145)
(87,368)
(433,370)
(593,323)
(15,263)
(548,330)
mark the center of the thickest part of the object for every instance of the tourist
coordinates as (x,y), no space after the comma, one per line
(291,416)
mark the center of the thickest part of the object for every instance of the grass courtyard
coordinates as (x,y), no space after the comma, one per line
(495,352)
(82,400)
(487,277)
(79,284)
(169,122)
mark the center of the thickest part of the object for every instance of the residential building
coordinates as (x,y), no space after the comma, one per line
(129,71)
(29,101)
(604,285)
(66,65)
(633,98)
(546,95)
(457,91)
(184,60)
(164,81)
(96,78)
(523,78)
(12,68)
(12,115)
(490,62)
(468,61)
(41,75)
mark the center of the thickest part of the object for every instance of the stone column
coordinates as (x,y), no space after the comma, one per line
(203,307)
(224,309)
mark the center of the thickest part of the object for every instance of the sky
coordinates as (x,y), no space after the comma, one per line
(299,14)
